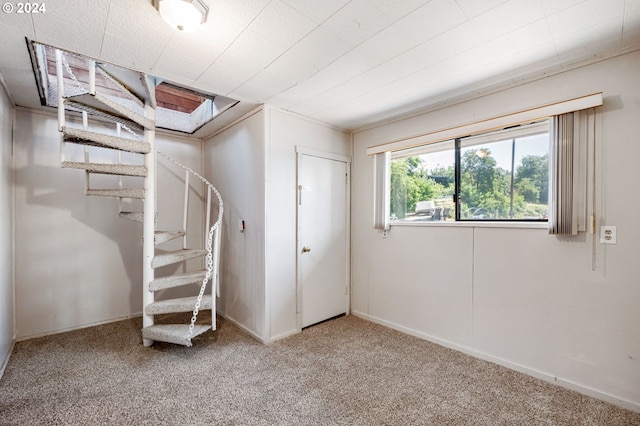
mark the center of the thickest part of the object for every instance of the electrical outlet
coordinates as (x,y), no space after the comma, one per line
(608,235)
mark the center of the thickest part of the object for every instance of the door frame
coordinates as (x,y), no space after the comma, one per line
(300,151)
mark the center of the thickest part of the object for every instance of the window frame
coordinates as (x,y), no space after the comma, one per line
(520,131)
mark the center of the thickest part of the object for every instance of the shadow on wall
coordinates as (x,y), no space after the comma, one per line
(236,295)
(46,184)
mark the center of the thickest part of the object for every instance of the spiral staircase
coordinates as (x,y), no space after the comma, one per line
(127,112)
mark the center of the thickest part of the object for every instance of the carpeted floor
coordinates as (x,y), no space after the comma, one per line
(343,372)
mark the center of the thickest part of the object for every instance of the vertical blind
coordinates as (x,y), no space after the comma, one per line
(571,172)
(562,212)
(382,190)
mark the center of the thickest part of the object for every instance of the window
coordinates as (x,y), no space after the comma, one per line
(502,175)
(423,183)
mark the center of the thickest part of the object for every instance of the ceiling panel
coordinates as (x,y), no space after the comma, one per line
(241,12)
(396,69)
(387,44)
(451,43)
(186,56)
(262,86)
(135,21)
(508,17)
(226,74)
(181,67)
(519,41)
(588,44)
(292,66)
(586,15)
(299,93)
(631,6)
(554,6)
(20,24)
(357,21)
(16,66)
(66,22)
(256,49)
(343,69)
(631,31)
(394,10)
(436,82)
(349,62)
(288,98)
(320,47)
(120,51)
(317,11)
(281,24)
(433,19)
(211,39)
(325,101)
(473,8)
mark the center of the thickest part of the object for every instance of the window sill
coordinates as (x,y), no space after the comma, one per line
(478,224)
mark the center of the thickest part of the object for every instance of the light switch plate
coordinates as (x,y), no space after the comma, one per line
(608,235)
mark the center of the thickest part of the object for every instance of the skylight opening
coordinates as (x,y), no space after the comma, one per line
(178,109)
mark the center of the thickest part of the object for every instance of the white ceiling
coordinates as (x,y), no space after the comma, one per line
(349,63)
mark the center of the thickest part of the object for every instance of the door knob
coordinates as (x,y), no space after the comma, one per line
(306,249)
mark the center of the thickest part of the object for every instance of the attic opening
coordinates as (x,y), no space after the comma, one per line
(178,109)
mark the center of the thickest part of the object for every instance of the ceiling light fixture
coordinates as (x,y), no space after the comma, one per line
(183,15)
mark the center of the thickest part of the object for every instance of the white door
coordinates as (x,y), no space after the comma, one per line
(322,238)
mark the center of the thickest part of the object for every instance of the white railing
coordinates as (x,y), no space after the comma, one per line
(212,239)
(212,236)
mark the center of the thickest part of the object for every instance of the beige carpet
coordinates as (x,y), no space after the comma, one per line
(343,372)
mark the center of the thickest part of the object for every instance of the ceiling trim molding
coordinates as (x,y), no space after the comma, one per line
(525,116)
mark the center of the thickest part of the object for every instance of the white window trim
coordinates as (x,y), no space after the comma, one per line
(474,224)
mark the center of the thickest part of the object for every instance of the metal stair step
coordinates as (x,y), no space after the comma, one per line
(173,333)
(161,237)
(135,216)
(117,193)
(132,125)
(131,76)
(133,82)
(150,84)
(107,169)
(85,137)
(183,304)
(176,257)
(104,104)
(177,280)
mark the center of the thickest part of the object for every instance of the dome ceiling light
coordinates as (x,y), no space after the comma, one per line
(183,15)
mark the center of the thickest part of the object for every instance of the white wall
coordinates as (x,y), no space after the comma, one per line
(235,164)
(284,132)
(519,297)
(6,229)
(253,164)
(77,262)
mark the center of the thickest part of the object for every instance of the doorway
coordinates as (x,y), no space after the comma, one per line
(323,230)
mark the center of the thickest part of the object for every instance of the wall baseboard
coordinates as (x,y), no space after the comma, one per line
(77,327)
(568,384)
(283,335)
(242,327)
(5,361)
